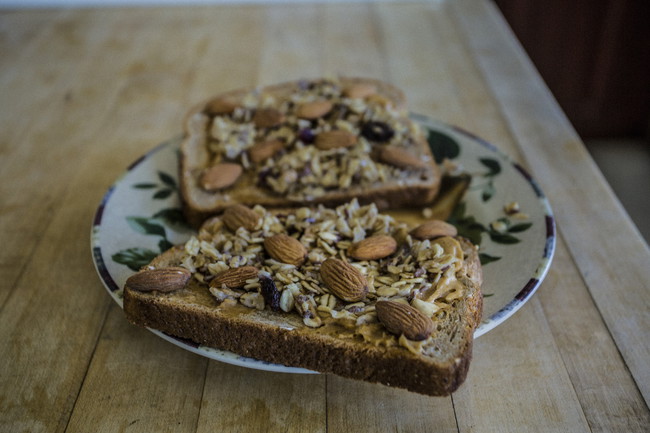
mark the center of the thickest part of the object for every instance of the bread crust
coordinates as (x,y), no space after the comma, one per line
(283,339)
(199,204)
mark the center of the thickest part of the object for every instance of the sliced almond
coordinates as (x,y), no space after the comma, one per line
(344,280)
(285,249)
(399,318)
(234,278)
(262,151)
(399,157)
(267,117)
(335,139)
(433,229)
(360,90)
(219,176)
(221,106)
(162,279)
(238,215)
(314,110)
(373,248)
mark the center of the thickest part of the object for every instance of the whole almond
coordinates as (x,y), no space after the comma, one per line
(234,278)
(399,318)
(267,117)
(335,139)
(344,280)
(360,90)
(219,176)
(262,151)
(433,229)
(238,215)
(162,279)
(400,157)
(285,249)
(373,248)
(314,110)
(221,106)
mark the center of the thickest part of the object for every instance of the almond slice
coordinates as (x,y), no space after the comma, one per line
(373,248)
(219,176)
(238,215)
(285,249)
(267,117)
(433,229)
(399,318)
(334,139)
(162,279)
(314,110)
(344,280)
(234,278)
(264,150)
(399,157)
(360,90)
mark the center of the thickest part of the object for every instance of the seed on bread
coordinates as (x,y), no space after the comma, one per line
(285,249)
(433,229)
(234,278)
(373,248)
(162,279)
(400,318)
(239,215)
(344,280)
(220,176)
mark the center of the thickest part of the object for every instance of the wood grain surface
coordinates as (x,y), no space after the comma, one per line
(87,91)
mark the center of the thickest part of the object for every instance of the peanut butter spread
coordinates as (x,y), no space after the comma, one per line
(288,275)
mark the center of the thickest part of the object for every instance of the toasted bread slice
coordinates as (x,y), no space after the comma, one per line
(322,141)
(363,298)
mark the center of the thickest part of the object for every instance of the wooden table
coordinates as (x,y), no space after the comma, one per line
(85,92)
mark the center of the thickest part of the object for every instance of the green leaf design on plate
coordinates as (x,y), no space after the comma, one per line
(173,217)
(164,245)
(163,193)
(442,146)
(134,258)
(492,165)
(488,191)
(518,228)
(167,179)
(467,226)
(486,258)
(145,185)
(146,226)
(503,238)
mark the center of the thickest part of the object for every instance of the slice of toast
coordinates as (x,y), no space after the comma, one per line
(322,141)
(347,291)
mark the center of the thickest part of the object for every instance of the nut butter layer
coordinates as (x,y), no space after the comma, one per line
(289,291)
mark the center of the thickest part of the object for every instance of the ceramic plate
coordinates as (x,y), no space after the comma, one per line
(140,216)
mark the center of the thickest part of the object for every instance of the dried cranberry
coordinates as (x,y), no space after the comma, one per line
(306,135)
(377,131)
(270,293)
